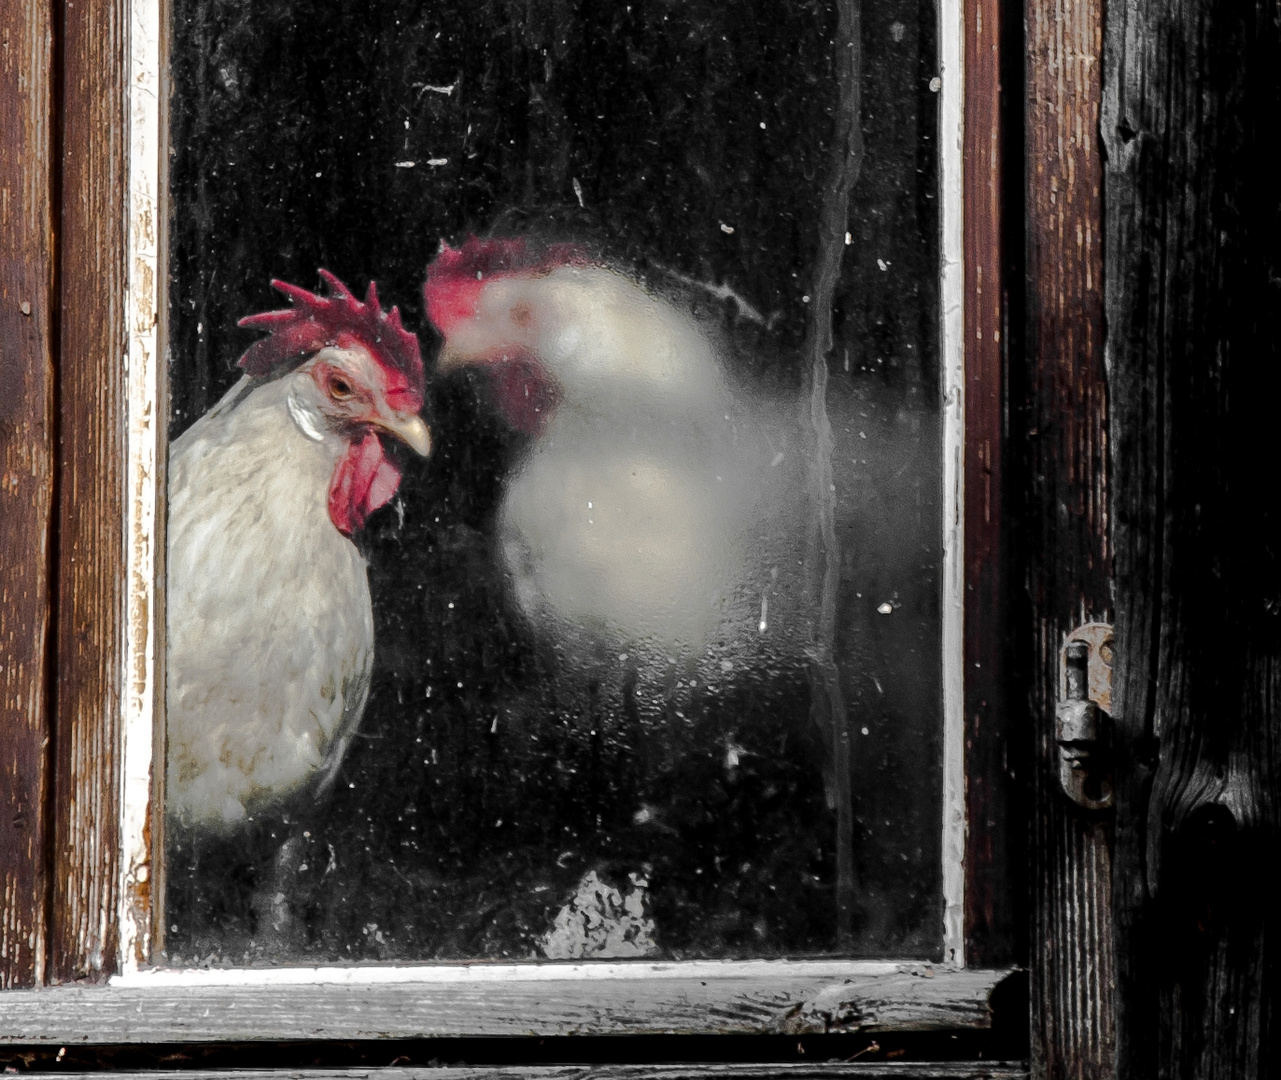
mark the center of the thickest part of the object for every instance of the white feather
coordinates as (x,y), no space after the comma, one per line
(270,627)
(639,512)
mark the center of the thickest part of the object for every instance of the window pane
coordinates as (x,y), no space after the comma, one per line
(649,573)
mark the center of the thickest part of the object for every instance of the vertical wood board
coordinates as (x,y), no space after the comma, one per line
(1065,417)
(27,432)
(91,533)
(991,907)
(1194,350)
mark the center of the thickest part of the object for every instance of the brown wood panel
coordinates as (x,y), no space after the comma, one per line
(91,532)
(1065,412)
(27,433)
(992,847)
(1193,282)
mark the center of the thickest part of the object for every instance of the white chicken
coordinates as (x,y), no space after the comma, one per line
(636,511)
(270,627)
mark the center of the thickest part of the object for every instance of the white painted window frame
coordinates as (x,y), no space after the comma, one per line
(143,682)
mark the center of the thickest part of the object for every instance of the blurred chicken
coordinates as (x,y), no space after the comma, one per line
(270,629)
(635,512)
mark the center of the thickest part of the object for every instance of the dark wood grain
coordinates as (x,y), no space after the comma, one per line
(913,999)
(1193,282)
(27,433)
(91,532)
(1064,419)
(916,1070)
(992,883)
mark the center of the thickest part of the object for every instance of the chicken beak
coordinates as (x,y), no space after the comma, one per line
(412,430)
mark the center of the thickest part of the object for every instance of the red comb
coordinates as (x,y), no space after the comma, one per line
(315,322)
(456,275)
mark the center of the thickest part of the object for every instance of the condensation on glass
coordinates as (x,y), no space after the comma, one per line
(652,575)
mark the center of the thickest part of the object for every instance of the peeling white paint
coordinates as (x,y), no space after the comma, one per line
(367,974)
(952,294)
(144,462)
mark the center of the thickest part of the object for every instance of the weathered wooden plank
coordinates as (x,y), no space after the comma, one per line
(27,432)
(908,999)
(916,1070)
(1193,264)
(1070,570)
(145,413)
(994,841)
(91,525)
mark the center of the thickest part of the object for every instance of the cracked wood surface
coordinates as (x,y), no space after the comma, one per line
(28,433)
(1064,414)
(909,999)
(923,1070)
(1194,349)
(91,524)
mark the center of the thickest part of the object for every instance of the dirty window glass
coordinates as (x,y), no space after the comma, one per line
(612,628)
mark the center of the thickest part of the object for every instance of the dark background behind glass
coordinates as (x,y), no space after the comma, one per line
(463,820)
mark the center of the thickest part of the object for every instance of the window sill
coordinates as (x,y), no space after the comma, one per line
(753,997)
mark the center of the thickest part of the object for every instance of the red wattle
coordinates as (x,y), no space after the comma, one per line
(363,481)
(523,391)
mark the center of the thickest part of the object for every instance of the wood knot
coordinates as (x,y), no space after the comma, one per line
(1204,866)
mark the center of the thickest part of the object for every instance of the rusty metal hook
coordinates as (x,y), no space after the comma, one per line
(1082,728)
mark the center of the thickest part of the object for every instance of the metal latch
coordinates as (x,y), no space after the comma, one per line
(1082,720)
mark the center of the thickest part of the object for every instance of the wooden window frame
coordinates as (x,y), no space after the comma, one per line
(81,629)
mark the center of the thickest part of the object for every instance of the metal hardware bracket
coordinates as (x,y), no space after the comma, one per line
(1082,720)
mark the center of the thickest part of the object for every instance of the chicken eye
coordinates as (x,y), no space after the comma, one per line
(340,389)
